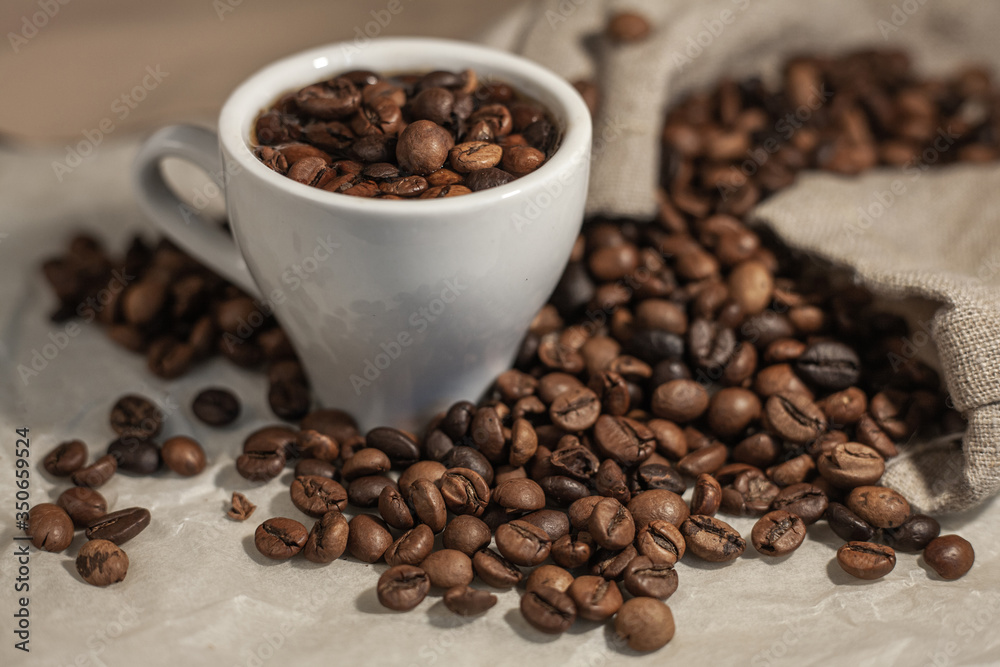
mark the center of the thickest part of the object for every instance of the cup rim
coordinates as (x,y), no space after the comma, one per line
(242,102)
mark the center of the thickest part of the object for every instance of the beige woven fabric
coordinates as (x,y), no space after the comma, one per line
(938,240)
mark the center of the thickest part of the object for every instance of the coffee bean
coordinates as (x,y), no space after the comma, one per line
(707,496)
(548,576)
(611,564)
(879,506)
(649,506)
(563,490)
(611,524)
(216,406)
(661,542)
(778,533)
(572,553)
(394,510)
(851,464)
(626,441)
(119,527)
(365,491)
(66,458)
(657,476)
(866,560)
(241,508)
(307,467)
(711,539)
(575,461)
(260,466)
(142,457)
(327,540)
(467,457)
(610,481)
(289,400)
(704,460)
(464,491)
(429,505)
(830,365)
(332,423)
(523,441)
(496,570)
(403,587)
(101,563)
(575,410)
(429,470)
(522,543)
(680,400)
(367,461)
(412,547)
(97,473)
(645,578)
(848,525)
(136,416)
(447,568)
(520,495)
(846,406)
(280,439)
(548,610)
(628,27)
(315,495)
(280,538)
(645,623)
(466,601)
(596,598)
(950,556)
(183,455)
(806,501)
(49,527)
(553,522)
(483,179)
(401,449)
(794,417)
(83,505)
(913,535)
(368,538)
(467,534)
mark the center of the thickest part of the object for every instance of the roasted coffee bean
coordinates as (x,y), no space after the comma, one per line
(315,495)
(778,533)
(610,481)
(241,508)
(704,460)
(794,417)
(289,400)
(307,467)
(548,575)
(365,491)
(394,510)
(680,400)
(66,458)
(575,461)
(447,568)
(866,560)
(467,457)
(731,410)
(327,540)
(183,455)
(260,466)
(950,556)
(611,524)
(467,534)
(661,542)
(523,543)
(553,522)
(119,527)
(83,505)
(711,539)
(806,501)
(483,179)
(575,410)
(519,495)
(646,578)
(913,535)
(216,406)
(572,553)
(548,610)
(142,457)
(136,416)
(495,570)
(845,407)
(333,423)
(97,473)
(423,147)
(657,476)
(523,442)
(792,471)
(412,547)
(464,491)
(707,496)
(403,587)
(879,506)
(101,563)
(581,509)
(596,598)
(627,27)
(750,492)
(851,464)
(429,505)
(279,439)
(368,538)
(848,525)
(429,470)
(649,506)
(401,449)
(563,490)
(611,564)
(466,601)
(645,623)
(626,441)
(367,461)
(280,538)
(437,445)
(49,527)
(830,365)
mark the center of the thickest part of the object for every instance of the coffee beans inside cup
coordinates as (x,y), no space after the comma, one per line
(405,136)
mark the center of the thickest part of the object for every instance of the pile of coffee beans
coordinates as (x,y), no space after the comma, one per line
(137,421)
(407,136)
(689,352)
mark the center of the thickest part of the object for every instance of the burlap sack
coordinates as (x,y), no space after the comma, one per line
(940,240)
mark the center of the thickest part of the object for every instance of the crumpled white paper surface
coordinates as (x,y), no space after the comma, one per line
(198,593)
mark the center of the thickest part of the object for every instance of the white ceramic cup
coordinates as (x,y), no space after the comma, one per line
(396,308)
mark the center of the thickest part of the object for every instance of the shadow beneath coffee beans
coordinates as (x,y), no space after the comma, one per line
(700,564)
(251,548)
(753,554)
(228,478)
(617,643)
(525,631)
(841,578)
(931,572)
(367,603)
(821,533)
(582,626)
(441,617)
(69,564)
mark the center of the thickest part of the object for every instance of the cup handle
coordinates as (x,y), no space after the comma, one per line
(200,238)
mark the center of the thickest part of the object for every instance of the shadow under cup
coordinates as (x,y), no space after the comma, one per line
(399,308)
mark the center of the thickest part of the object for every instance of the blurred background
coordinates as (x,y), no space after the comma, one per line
(67,64)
